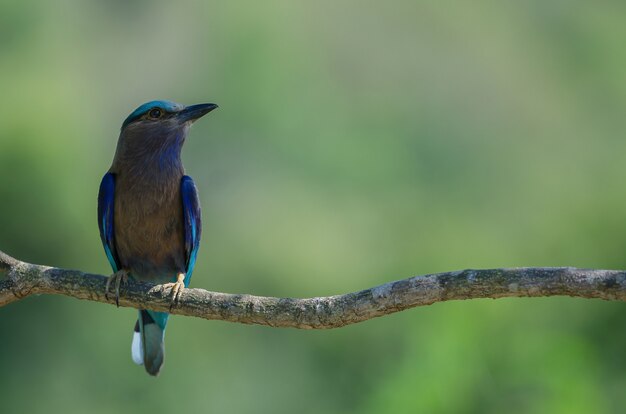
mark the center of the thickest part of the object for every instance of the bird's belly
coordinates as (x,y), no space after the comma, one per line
(150,241)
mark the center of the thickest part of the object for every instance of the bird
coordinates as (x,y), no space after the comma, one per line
(149,215)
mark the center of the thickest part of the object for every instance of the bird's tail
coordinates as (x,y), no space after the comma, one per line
(148,348)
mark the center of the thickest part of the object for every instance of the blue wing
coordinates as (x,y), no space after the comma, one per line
(106,197)
(193,223)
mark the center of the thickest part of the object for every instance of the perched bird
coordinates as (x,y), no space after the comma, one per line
(149,214)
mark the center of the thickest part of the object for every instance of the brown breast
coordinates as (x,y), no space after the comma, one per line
(149,229)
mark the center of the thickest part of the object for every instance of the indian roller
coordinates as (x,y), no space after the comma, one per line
(149,214)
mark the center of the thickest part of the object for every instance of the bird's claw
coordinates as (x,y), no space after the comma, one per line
(121,276)
(177,288)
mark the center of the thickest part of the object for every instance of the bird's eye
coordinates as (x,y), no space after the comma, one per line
(155,113)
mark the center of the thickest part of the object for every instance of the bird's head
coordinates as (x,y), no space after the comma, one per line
(165,115)
(157,128)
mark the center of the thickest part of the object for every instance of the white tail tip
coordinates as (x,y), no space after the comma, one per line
(136,349)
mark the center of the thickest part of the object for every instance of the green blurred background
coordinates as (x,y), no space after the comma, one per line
(357,142)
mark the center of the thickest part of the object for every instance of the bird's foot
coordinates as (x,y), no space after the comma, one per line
(177,288)
(119,277)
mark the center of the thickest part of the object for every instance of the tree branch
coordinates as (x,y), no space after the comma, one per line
(24,279)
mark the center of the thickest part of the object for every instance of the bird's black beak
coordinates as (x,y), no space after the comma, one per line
(193,112)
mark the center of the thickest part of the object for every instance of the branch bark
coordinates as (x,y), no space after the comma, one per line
(24,279)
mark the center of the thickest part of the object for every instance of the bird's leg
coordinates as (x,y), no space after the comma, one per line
(119,277)
(177,288)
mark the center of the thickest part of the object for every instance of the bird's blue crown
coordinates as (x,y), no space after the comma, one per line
(167,106)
